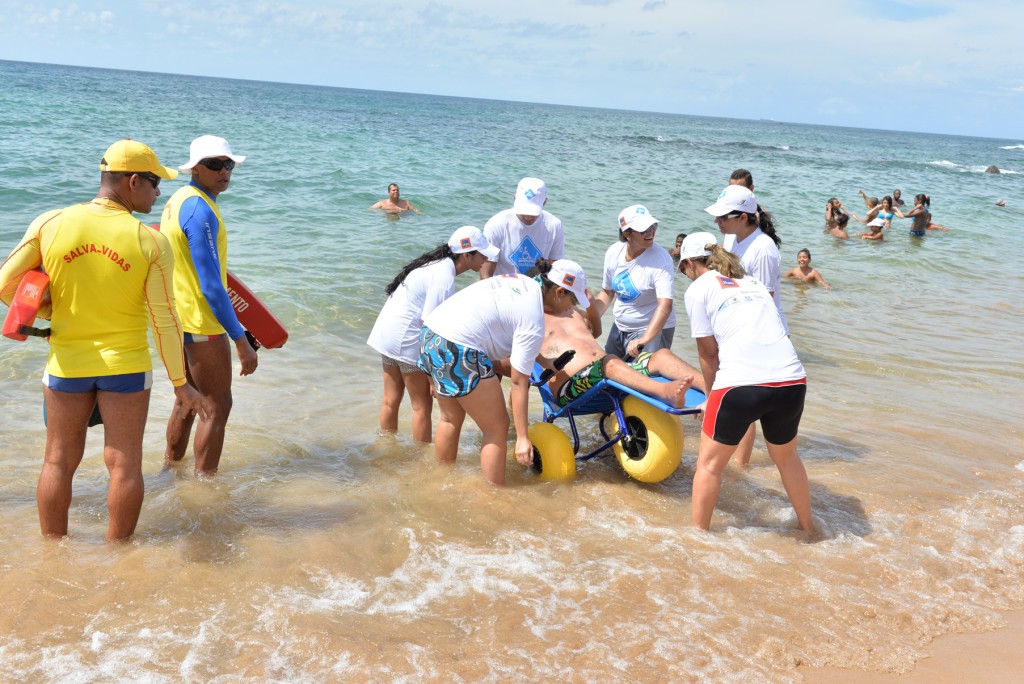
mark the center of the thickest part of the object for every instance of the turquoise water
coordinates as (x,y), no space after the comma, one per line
(325,551)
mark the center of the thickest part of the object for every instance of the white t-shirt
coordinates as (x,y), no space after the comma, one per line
(396,333)
(501,316)
(760,258)
(753,347)
(638,285)
(521,245)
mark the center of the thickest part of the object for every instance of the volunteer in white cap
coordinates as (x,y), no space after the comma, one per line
(751,370)
(638,279)
(417,290)
(524,233)
(199,240)
(497,321)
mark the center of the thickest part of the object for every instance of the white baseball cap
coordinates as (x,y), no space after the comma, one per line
(636,218)
(470,239)
(876,222)
(734,198)
(531,194)
(695,245)
(569,274)
(207,146)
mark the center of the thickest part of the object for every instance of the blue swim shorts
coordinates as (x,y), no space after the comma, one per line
(454,370)
(125,383)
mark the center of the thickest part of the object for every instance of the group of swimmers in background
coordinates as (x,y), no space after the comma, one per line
(879,216)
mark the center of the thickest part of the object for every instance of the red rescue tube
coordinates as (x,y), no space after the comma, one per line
(252,313)
(30,295)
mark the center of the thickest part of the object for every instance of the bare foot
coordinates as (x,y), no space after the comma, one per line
(674,393)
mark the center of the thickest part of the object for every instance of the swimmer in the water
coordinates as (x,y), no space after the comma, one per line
(804,272)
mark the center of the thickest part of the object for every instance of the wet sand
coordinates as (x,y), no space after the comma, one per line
(955,658)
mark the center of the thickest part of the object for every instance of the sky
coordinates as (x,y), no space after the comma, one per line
(939,66)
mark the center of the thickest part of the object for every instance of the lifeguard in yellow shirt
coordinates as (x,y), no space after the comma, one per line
(193,225)
(110,278)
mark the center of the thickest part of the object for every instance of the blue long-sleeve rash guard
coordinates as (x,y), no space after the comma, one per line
(200,226)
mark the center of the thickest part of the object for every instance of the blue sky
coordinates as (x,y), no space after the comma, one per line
(942,66)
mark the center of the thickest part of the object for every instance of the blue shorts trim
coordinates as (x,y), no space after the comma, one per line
(125,383)
(454,370)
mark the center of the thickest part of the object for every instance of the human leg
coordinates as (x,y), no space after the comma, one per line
(209,364)
(418,384)
(666,364)
(124,421)
(179,426)
(707,479)
(486,406)
(67,415)
(745,448)
(672,392)
(794,479)
(394,390)
(449,427)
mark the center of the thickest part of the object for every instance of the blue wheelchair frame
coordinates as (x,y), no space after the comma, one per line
(605,398)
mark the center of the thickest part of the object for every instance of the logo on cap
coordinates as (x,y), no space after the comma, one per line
(530,194)
(640,210)
(466,243)
(568,279)
(622,221)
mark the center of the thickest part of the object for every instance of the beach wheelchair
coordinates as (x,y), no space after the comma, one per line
(645,433)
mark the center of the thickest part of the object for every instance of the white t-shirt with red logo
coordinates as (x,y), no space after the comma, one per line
(753,347)
(501,316)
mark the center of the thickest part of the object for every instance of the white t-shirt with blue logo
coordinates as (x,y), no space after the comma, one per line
(638,285)
(521,245)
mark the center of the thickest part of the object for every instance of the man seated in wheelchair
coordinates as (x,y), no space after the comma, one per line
(567,327)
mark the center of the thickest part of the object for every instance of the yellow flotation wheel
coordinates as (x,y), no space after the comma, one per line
(655,446)
(552,454)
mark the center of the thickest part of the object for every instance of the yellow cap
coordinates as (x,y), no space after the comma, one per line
(131,156)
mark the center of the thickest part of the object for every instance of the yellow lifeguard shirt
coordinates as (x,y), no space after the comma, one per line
(110,275)
(196,315)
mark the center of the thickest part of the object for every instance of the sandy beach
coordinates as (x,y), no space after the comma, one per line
(986,658)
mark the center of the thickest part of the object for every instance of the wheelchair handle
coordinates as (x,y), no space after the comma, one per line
(559,364)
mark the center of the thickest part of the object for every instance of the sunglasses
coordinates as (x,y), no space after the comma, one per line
(152,178)
(735,214)
(649,231)
(218,164)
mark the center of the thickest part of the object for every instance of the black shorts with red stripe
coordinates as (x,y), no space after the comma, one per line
(778,405)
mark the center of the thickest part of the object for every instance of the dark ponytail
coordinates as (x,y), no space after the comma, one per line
(540,270)
(767,225)
(433,255)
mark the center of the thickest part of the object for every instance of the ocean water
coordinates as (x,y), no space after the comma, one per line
(324,551)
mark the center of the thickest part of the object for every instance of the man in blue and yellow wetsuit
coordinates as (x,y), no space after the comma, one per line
(192,222)
(110,277)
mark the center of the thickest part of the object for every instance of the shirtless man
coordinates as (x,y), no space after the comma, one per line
(566,327)
(394,204)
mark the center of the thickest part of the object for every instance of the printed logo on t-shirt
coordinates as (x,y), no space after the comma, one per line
(726,282)
(525,255)
(624,288)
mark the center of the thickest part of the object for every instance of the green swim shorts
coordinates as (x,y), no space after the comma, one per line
(590,375)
